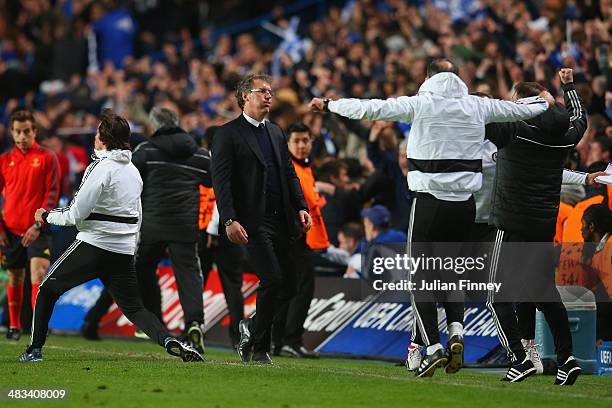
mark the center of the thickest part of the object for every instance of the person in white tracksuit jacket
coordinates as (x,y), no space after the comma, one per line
(445,150)
(107,212)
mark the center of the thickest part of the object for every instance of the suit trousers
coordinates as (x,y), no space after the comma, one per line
(269,254)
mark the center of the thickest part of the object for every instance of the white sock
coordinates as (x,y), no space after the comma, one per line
(455,328)
(433,348)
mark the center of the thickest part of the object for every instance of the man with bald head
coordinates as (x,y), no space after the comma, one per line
(445,169)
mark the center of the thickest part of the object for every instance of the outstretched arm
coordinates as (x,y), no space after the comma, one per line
(397,109)
(505,111)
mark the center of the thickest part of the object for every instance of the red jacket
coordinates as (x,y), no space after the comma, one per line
(28,182)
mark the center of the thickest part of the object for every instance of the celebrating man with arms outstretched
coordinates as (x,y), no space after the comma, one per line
(445,168)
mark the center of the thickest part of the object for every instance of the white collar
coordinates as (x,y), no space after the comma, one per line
(251,120)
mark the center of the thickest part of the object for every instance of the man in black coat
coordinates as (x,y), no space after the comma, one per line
(525,203)
(261,205)
(172,167)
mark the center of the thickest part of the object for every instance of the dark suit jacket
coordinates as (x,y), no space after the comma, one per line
(239,177)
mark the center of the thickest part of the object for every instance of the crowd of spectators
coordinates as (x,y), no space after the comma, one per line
(69,59)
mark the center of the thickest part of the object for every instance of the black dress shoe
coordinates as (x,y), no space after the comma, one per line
(261,357)
(245,343)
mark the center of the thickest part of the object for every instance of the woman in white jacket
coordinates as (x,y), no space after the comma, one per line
(107,212)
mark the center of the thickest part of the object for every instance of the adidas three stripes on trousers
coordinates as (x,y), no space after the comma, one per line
(80,263)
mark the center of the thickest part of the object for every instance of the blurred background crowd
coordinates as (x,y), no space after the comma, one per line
(69,59)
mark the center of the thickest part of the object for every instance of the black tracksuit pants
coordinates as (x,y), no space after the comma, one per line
(433,220)
(80,263)
(513,325)
(270,256)
(186,265)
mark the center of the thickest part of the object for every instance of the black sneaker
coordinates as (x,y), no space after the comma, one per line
(13,334)
(182,350)
(568,372)
(454,351)
(519,371)
(245,344)
(195,336)
(31,355)
(430,363)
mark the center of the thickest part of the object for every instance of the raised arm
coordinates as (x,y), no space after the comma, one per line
(397,109)
(505,111)
(574,105)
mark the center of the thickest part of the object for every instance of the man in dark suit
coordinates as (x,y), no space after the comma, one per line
(261,205)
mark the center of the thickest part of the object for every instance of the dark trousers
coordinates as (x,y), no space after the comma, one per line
(289,321)
(269,253)
(432,221)
(80,263)
(230,259)
(512,325)
(186,265)
(99,309)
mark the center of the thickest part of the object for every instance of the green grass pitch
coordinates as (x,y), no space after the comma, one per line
(119,373)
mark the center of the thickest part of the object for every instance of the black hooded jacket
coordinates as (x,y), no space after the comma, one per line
(529,168)
(172,167)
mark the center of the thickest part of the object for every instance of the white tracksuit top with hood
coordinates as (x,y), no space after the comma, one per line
(106,208)
(445,145)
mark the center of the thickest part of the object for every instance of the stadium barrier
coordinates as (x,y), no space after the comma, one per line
(347,317)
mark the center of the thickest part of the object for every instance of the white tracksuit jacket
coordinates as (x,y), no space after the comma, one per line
(106,208)
(445,146)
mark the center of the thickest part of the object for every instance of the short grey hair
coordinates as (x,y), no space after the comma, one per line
(163,117)
(245,85)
